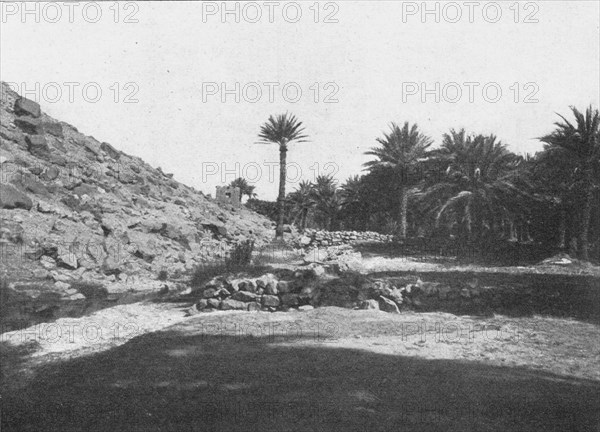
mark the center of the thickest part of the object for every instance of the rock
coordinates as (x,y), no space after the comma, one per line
(270,300)
(305,308)
(110,151)
(50,174)
(54,129)
(29,125)
(24,106)
(272,288)
(289,299)
(214,303)
(210,293)
(230,304)
(201,305)
(41,274)
(254,307)
(67,260)
(63,286)
(316,270)
(77,296)
(219,230)
(369,304)
(305,241)
(37,145)
(244,296)
(283,287)
(387,305)
(396,296)
(247,285)
(12,198)
(48,262)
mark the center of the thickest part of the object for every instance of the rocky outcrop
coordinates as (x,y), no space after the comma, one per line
(74,208)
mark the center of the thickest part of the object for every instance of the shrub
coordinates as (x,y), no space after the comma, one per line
(241,254)
(163,275)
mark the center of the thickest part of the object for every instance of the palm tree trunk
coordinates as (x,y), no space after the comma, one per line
(281,197)
(303,219)
(562,230)
(403,210)
(586,215)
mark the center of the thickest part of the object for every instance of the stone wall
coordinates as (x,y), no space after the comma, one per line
(320,238)
(229,195)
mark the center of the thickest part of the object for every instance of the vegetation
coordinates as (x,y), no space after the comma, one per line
(282,131)
(244,186)
(470,189)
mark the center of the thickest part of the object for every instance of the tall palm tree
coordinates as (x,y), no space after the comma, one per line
(581,142)
(302,200)
(282,130)
(480,187)
(402,149)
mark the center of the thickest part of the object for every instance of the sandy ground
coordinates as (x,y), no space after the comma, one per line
(154,369)
(376,264)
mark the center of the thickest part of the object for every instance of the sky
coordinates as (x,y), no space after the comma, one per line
(186,86)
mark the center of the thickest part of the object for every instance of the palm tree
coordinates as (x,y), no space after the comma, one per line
(354,201)
(480,187)
(245,188)
(402,149)
(302,200)
(282,130)
(327,200)
(580,142)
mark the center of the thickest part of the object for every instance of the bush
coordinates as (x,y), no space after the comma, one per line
(163,275)
(241,254)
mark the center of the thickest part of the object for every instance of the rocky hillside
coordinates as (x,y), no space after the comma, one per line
(74,208)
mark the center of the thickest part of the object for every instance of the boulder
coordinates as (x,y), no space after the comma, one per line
(305,308)
(282,287)
(67,260)
(54,129)
(12,198)
(270,300)
(37,145)
(254,307)
(369,304)
(48,262)
(244,296)
(29,125)
(305,241)
(210,293)
(24,106)
(111,151)
(214,303)
(230,304)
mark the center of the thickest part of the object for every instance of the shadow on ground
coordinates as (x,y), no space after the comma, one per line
(171,381)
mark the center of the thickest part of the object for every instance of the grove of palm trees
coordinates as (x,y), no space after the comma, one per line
(469,189)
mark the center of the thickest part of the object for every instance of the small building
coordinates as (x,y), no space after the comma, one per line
(229,195)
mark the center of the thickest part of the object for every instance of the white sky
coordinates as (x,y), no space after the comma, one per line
(373,49)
